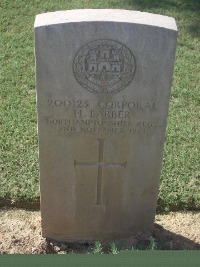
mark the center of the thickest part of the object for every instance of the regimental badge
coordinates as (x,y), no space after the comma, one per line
(104,66)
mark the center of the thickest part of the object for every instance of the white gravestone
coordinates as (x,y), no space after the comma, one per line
(103,88)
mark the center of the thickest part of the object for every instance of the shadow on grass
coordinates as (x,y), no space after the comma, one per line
(161,239)
(35,205)
(181,5)
(178,6)
(166,239)
(194,28)
(20,204)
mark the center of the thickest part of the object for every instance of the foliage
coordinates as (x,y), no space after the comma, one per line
(97,248)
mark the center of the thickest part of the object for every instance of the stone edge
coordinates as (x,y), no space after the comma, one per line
(104,15)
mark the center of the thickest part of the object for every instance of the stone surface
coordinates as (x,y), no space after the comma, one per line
(103,86)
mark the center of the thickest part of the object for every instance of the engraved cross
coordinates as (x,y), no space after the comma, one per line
(100,164)
(103,82)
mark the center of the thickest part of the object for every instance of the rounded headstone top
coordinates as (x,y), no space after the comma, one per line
(105,15)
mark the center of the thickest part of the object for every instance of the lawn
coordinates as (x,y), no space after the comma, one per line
(19,180)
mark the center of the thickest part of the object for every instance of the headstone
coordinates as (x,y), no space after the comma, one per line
(103,87)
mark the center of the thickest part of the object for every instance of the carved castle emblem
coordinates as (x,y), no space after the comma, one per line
(104,66)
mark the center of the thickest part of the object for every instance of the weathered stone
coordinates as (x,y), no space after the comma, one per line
(103,86)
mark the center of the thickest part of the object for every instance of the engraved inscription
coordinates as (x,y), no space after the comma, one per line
(73,116)
(104,66)
(68,103)
(100,164)
(82,103)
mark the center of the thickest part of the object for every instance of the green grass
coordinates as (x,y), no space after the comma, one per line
(106,248)
(180,179)
(114,248)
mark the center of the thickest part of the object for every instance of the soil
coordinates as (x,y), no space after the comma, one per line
(20,232)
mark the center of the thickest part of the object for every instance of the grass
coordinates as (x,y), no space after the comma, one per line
(99,248)
(150,244)
(180,179)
